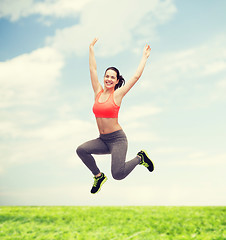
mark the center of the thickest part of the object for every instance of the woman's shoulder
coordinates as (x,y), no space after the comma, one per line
(118,97)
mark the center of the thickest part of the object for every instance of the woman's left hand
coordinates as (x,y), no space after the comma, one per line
(147,50)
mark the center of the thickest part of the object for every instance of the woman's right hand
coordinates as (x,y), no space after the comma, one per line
(93,42)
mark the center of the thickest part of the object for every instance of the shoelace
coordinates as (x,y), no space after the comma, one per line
(143,162)
(95,182)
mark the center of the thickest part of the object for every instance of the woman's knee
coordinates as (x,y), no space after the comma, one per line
(118,175)
(80,150)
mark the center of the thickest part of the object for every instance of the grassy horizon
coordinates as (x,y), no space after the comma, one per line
(112,222)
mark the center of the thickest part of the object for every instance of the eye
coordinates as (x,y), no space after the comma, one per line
(112,77)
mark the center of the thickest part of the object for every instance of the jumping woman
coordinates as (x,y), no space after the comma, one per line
(112,139)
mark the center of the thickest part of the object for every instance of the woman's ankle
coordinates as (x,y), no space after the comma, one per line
(98,175)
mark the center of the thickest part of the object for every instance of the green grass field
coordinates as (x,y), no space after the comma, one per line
(118,223)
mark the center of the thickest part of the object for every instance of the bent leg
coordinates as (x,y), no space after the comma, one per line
(85,151)
(119,168)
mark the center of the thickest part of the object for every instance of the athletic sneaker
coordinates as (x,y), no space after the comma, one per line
(98,182)
(145,160)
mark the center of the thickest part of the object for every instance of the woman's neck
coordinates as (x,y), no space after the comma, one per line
(108,91)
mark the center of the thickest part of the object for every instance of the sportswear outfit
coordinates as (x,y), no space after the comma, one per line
(114,143)
(107,109)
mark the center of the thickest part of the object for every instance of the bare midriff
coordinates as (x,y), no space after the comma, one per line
(108,125)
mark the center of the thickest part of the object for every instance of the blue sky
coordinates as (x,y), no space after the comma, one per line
(176,111)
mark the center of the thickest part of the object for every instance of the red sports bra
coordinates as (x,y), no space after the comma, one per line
(107,109)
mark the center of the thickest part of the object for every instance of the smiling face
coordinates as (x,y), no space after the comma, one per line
(110,79)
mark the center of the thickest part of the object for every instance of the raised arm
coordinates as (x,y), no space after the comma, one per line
(129,84)
(93,68)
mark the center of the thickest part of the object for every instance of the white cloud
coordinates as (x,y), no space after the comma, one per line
(161,10)
(28,78)
(62,129)
(15,10)
(60,8)
(56,140)
(197,73)
(29,89)
(169,150)
(201,159)
(218,91)
(115,25)
(135,120)
(215,67)
(221,84)
(136,112)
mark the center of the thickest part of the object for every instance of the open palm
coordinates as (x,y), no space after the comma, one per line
(147,50)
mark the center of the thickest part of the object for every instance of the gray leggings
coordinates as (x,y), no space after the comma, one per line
(114,143)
